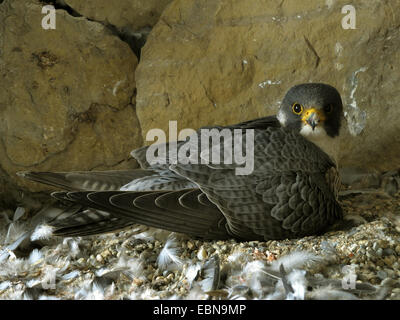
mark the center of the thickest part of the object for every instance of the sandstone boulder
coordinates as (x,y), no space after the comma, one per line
(131,15)
(66,95)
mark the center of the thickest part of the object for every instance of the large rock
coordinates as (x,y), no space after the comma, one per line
(209,62)
(66,95)
(131,15)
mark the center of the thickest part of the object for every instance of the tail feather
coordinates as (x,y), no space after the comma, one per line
(203,199)
(91,222)
(106,208)
(155,219)
(190,200)
(61,196)
(90,180)
(114,210)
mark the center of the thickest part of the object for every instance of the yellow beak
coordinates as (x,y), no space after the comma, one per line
(312,117)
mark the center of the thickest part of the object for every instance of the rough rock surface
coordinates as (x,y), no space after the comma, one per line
(123,14)
(209,62)
(67,95)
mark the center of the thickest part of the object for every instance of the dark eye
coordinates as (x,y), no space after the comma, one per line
(328,108)
(297,108)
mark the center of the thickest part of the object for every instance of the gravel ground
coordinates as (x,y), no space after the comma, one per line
(359,261)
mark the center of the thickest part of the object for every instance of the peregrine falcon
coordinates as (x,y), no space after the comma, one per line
(291,192)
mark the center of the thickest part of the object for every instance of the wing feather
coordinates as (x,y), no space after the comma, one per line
(287,194)
(290,193)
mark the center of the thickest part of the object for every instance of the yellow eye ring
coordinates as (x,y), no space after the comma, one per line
(297,108)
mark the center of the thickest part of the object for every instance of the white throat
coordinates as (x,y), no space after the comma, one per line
(326,143)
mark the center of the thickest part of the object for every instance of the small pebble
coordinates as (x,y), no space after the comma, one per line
(382,275)
(396,290)
(388,252)
(202,254)
(389,260)
(137,281)
(105,253)
(190,245)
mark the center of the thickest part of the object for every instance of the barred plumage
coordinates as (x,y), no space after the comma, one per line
(291,192)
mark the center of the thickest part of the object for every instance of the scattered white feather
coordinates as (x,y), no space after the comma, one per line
(239,258)
(35,257)
(208,283)
(196,293)
(17,292)
(13,267)
(102,272)
(44,297)
(12,255)
(19,212)
(15,231)
(4,285)
(27,296)
(278,293)
(55,262)
(133,268)
(330,293)
(42,231)
(168,257)
(149,294)
(237,297)
(174,297)
(296,260)
(254,273)
(33,283)
(298,283)
(192,272)
(90,290)
(97,292)
(256,286)
(71,275)
(49,276)
(73,245)
(63,263)
(254,267)
(58,258)
(236,261)
(109,292)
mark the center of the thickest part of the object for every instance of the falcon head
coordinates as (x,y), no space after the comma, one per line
(313,109)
